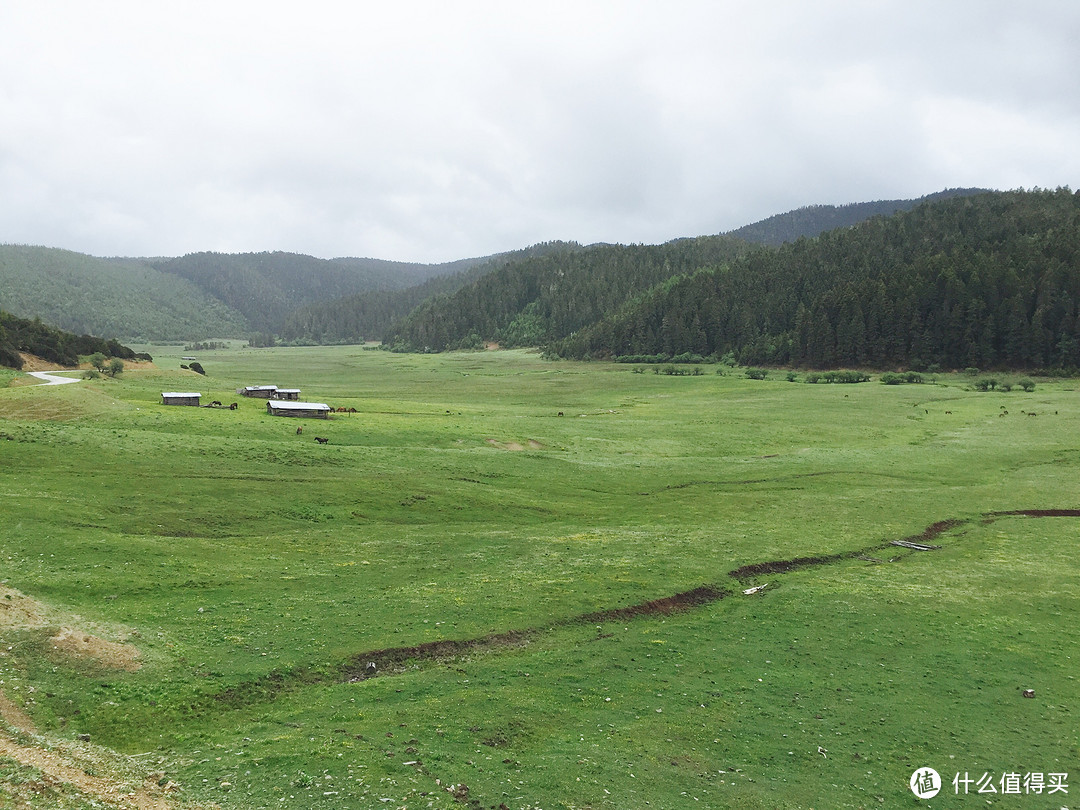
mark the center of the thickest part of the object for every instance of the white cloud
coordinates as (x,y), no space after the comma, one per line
(432,131)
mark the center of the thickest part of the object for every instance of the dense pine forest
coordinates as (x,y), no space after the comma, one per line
(368,315)
(984,281)
(34,337)
(540,299)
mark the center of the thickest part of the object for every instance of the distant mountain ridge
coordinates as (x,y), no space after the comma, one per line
(303,299)
(813,220)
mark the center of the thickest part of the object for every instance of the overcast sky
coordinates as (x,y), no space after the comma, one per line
(432,131)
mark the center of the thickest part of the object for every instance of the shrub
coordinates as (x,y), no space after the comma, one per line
(792,376)
(839,377)
(892,378)
(1027,385)
(757,373)
(98,361)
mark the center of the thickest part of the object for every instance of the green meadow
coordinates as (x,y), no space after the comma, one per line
(530,511)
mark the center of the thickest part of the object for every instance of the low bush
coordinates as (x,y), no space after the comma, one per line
(909,377)
(841,377)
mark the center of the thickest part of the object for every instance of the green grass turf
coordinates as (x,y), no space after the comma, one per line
(253,564)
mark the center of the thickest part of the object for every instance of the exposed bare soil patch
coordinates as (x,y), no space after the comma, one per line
(69,643)
(21,612)
(31,362)
(505,445)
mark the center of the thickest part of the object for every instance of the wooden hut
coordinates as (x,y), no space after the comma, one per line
(261,391)
(287,393)
(178,398)
(316,410)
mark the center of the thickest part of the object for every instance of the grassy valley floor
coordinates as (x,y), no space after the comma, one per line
(199,591)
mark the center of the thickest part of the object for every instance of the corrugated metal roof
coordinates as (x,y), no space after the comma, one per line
(176,394)
(290,405)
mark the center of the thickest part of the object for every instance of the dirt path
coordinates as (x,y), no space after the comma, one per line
(59,768)
(51,378)
(63,764)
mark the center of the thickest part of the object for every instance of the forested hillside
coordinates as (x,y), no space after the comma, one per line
(983,281)
(265,287)
(34,337)
(813,220)
(121,298)
(192,297)
(539,299)
(368,315)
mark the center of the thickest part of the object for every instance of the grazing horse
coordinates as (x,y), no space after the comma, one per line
(321,440)
(216,404)
(233,407)
(299,430)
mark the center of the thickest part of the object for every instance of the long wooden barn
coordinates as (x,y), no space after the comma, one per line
(311,410)
(180,398)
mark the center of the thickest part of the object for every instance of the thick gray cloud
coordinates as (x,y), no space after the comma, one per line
(430,131)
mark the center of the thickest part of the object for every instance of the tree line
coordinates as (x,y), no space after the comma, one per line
(64,348)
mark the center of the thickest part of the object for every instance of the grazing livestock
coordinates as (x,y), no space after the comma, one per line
(216,404)
(299,430)
(321,440)
(233,407)
(369,670)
